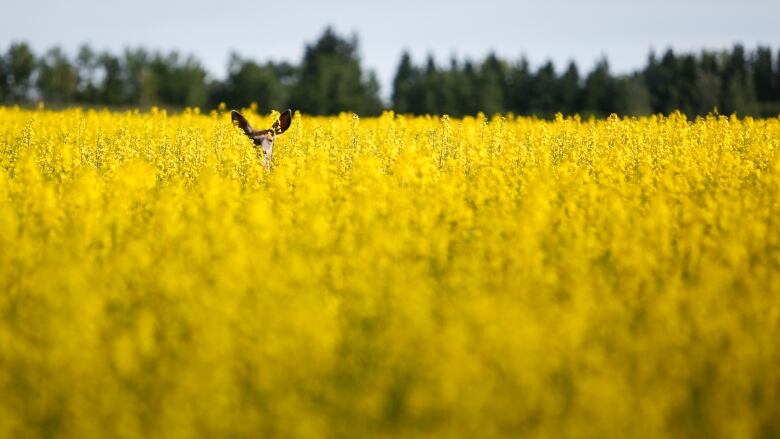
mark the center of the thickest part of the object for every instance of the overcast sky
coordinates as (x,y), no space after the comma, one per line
(583,31)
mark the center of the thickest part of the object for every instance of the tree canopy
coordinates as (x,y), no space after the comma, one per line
(330,78)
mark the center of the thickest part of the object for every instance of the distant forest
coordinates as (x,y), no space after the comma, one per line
(330,78)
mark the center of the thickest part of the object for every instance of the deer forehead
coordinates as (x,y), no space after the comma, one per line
(259,136)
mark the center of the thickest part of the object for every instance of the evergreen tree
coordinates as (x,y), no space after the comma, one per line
(140,87)
(763,74)
(371,103)
(568,96)
(667,94)
(404,83)
(492,86)
(450,81)
(331,79)
(600,91)
(652,77)
(3,80)
(57,80)
(177,81)
(112,85)
(737,89)
(520,87)
(545,91)
(430,89)
(685,84)
(189,78)
(249,82)
(776,82)
(467,93)
(86,65)
(20,65)
(708,83)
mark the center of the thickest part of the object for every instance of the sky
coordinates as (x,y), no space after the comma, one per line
(563,30)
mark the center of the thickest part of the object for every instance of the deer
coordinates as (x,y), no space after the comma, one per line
(263,138)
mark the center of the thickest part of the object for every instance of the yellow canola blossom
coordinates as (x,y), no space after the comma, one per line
(388,277)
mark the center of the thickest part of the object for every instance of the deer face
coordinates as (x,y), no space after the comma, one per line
(263,138)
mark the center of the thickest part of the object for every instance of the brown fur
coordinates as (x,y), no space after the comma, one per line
(263,138)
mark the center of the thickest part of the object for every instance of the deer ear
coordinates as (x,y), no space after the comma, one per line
(283,123)
(242,122)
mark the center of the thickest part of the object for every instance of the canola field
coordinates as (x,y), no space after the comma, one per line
(388,277)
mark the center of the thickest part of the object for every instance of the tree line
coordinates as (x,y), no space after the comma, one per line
(730,81)
(330,78)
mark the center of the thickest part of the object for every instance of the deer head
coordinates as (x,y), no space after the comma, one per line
(263,138)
